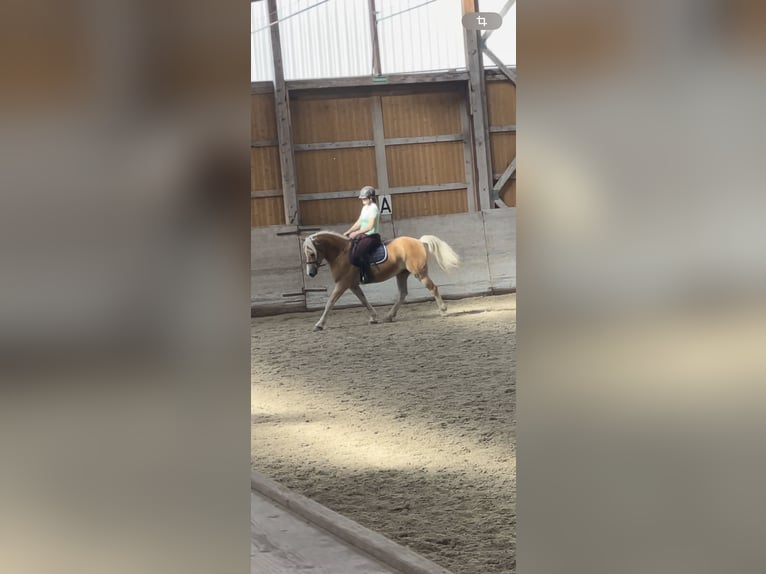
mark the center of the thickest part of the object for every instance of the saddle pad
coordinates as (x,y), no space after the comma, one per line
(379,255)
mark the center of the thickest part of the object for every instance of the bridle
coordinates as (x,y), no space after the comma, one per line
(314,249)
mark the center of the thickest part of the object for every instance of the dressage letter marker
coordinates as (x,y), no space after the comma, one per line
(385,205)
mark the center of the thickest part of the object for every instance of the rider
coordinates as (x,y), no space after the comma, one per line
(364,233)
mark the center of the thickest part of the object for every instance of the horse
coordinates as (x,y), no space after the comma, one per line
(406,255)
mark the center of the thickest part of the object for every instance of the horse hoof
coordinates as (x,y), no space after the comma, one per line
(317,328)
(373,321)
(388,319)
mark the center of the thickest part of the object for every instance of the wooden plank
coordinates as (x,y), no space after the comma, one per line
(380,89)
(510,74)
(503,150)
(508,193)
(264,168)
(263,118)
(381,160)
(266,193)
(432,113)
(502,129)
(493,75)
(509,171)
(419,188)
(501,104)
(337,119)
(261,88)
(478,101)
(282,102)
(327,170)
(425,139)
(465,123)
(334,145)
(354,193)
(392,79)
(329,195)
(266,211)
(425,164)
(338,211)
(264,143)
(424,203)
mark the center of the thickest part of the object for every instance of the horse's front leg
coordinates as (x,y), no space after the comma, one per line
(334,296)
(357,290)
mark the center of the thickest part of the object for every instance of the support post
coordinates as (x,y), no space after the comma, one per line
(376,70)
(284,130)
(381,163)
(479,116)
(465,124)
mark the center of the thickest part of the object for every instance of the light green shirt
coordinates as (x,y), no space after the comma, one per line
(370,213)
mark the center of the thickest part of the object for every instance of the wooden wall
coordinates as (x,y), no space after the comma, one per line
(501,104)
(410,142)
(485,241)
(265,171)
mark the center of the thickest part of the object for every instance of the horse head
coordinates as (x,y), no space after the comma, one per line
(321,246)
(313,256)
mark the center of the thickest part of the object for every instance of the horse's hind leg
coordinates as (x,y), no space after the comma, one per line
(401,283)
(426,280)
(357,290)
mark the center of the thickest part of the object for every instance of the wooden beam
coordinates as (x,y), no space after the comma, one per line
(391,191)
(284,131)
(425,139)
(495,75)
(261,88)
(264,143)
(503,12)
(393,79)
(510,74)
(422,188)
(502,129)
(478,102)
(381,160)
(509,171)
(266,193)
(465,124)
(334,145)
(374,38)
(367,143)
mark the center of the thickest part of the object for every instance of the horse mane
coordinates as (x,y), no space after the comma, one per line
(310,239)
(329,233)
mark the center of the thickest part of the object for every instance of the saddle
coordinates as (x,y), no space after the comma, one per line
(379,255)
(375,257)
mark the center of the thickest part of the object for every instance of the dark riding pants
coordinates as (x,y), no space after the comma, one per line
(361,248)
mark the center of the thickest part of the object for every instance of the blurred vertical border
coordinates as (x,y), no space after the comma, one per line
(124,307)
(642,274)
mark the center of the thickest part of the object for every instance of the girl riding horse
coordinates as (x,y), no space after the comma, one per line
(364,232)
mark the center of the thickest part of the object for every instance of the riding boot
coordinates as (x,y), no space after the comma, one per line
(366,273)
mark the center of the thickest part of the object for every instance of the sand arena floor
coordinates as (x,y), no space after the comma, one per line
(406,427)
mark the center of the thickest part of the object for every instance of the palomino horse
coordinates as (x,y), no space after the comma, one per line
(406,255)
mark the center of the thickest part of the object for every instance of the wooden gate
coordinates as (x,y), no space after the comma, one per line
(277,273)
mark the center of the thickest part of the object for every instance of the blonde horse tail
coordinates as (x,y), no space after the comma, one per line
(443,253)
